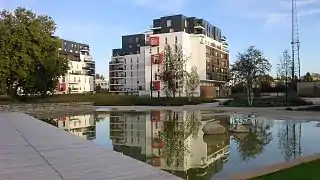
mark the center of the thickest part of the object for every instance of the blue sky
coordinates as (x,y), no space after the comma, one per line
(263,23)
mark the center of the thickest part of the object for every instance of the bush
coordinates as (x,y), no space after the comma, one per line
(107,99)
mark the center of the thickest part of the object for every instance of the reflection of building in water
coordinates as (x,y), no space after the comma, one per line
(83,126)
(172,141)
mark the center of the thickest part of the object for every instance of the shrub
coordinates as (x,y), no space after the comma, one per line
(107,99)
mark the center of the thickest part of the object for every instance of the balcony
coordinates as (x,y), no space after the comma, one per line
(114,68)
(198,25)
(88,59)
(154,41)
(89,66)
(116,61)
(76,72)
(157,58)
(223,38)
(156,85)
(116,75)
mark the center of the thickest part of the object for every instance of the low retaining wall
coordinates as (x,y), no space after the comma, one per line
(40,109)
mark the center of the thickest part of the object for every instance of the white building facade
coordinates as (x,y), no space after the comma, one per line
(139,65)
(80,77)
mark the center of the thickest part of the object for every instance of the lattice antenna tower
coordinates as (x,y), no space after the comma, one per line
(295,42)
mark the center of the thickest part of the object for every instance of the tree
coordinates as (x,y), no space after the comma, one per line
(173,71)
(176,129)
(249,67)
(284,69)
(253,143)
(100,76)
(265,83)
(307,77)
(29,55)
(192,81)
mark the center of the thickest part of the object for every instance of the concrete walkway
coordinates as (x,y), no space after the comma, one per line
(32,149)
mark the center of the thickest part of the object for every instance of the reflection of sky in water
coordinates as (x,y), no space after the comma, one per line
(103,133)
(272,154)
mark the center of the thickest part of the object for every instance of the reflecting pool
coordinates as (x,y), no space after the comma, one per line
(174,141)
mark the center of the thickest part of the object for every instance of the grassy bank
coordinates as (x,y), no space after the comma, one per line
(267,102)
(306,171)
(106,99)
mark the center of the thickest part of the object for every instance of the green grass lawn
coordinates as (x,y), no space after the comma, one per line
(305,171)
(107,99)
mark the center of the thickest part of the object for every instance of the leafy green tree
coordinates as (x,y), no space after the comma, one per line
(176,130)
(284,70)
(252,144)
(29,54)
(248,67)
(173,71)
(192,81)
(307,77)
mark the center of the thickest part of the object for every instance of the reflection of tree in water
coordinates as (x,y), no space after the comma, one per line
(252,144)
(290,140)
(175,132)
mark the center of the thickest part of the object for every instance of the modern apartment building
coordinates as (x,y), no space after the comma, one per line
(81,75)
(136,66)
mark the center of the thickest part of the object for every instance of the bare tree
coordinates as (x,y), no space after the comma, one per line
(173,71)
(248,67)
(284,69)
(192,81)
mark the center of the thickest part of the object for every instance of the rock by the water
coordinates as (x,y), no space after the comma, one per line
(240,129)
(213,128)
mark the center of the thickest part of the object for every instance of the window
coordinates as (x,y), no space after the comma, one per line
(168,23)
(137,60)
(137,39)
(166,40)
(131,74)
(131,60)
(175,39)
(131,67)
(138,45)
(171,30)
(158,50)
(130,46)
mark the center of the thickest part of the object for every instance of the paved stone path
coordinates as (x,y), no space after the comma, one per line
(32,149)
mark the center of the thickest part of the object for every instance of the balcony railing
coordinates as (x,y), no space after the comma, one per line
(116,68)
(198,24)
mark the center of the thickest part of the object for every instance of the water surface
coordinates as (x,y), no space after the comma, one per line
(175,142)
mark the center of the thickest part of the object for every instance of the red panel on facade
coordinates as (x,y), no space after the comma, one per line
(157,58)
(58,87)
(155,116)
(154,41)
(64,86)
(157,143)
(156,85)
